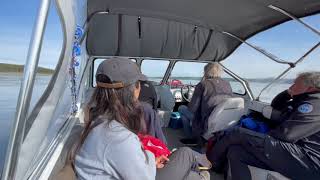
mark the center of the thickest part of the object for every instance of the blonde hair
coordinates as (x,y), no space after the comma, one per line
(311,79)
(212,70)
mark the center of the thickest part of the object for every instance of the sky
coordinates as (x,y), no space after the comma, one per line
(288,41)
(17,19)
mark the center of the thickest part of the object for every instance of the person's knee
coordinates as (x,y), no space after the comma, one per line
(185,153)
(185,150)
(182,109)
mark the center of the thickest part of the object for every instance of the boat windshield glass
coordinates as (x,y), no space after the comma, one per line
(288,41)
(154,69)
(237,87)
(190,73)
(187,72)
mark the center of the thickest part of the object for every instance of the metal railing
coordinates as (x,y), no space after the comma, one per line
(302,57)
(17,131)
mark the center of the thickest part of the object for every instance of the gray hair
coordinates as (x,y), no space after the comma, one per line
(212,70)
(310,79)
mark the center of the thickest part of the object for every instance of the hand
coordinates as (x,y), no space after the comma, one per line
(160,161)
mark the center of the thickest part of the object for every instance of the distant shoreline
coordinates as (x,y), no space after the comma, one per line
(14,68)
(257,80)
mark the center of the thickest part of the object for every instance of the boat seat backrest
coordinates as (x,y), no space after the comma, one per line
(224,115)
(166,101)
(165,97)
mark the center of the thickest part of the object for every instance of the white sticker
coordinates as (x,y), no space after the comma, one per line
(305,108)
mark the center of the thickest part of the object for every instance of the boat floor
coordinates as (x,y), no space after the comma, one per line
(173,136)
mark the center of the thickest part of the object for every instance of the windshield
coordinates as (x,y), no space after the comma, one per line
(154,69)
(288,41)
(190,73)
(187,72)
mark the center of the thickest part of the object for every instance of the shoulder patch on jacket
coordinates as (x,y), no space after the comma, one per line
(305,108)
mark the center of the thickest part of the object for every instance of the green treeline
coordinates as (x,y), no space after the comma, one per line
(19,69)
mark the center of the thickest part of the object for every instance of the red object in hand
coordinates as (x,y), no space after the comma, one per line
(154,145)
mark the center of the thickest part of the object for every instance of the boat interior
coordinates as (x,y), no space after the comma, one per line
(146,31)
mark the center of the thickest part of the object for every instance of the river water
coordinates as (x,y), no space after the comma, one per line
(9,92)
(10,86)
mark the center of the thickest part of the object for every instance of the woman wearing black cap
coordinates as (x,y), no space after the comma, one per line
(110,147)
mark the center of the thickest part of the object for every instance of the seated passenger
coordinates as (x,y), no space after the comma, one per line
(148,94)
(110,147)
(152,121)
(207,95)
(292,148)
(149,103)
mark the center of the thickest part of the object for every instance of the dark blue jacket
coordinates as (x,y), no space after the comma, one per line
(298,120)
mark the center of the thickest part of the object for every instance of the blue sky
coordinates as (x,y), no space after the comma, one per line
(17,18)
(288,41)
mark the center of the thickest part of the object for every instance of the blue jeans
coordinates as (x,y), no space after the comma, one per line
(186,117)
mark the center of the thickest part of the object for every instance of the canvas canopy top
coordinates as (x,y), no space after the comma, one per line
(182,29)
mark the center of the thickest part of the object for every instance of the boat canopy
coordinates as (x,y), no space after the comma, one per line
(173,29)
(183,29)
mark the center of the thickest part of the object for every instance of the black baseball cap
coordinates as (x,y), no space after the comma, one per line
(121,72)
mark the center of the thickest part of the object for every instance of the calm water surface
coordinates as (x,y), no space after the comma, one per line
(9,91)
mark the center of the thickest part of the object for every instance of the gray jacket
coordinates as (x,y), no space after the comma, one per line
(207,95)
(113,152)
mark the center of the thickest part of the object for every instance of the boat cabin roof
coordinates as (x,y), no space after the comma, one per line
(183,29)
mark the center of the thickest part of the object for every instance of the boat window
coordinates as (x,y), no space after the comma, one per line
(15,43)
(187,72)
(154,69)
(192,72)
(288,41)
(311,63)
(96,63)
(236,86)
(49,55)
(257,69)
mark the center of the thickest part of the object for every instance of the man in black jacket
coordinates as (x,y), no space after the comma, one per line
(148,94)
(292,148)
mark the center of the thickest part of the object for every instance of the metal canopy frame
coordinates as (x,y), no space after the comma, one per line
(17,131)
(264,52)
(288,69)
(258,49)
(317,32)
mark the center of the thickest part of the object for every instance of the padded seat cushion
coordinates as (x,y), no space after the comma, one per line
(225,115)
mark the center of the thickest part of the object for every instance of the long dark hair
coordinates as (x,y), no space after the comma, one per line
(114,104)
